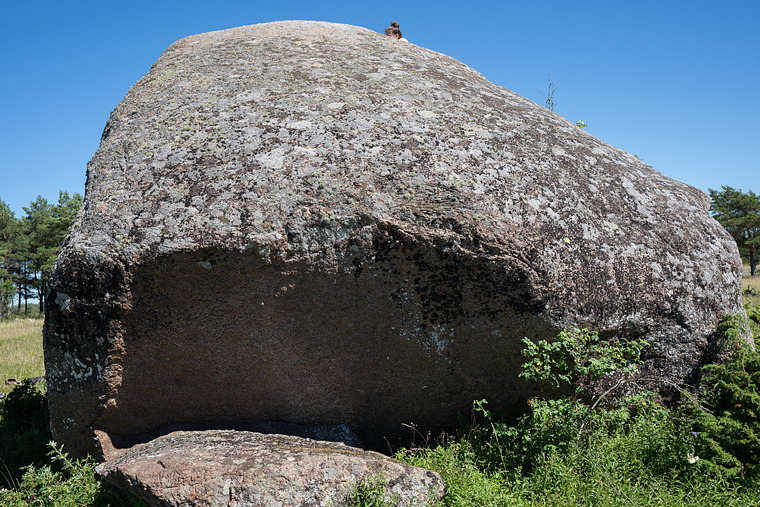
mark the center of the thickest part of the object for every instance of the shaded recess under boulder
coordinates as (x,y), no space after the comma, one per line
(313,223)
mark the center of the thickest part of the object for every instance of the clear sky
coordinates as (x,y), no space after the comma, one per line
(676,83)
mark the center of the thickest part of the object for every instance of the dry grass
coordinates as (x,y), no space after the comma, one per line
(20,350)
(751,299)
(750,287)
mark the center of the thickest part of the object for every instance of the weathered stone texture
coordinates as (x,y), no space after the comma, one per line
(236,468)
(311,222)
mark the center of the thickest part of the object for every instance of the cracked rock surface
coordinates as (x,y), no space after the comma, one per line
(314,223)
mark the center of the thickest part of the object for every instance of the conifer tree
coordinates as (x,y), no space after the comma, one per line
(46,226)
(739,213)
(10,235)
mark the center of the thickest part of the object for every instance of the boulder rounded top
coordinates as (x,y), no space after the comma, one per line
(309,202)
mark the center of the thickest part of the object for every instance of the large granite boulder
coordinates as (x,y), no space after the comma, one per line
(314,223)
(239,468)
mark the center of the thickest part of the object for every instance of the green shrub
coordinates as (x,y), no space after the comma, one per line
(25,407)
(33,471)
(639,434)
(578,357)
(549,427)
(727,424)
(753,314)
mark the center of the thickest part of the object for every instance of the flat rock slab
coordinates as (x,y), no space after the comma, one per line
(241,468)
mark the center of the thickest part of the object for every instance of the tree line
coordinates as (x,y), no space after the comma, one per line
(29,246)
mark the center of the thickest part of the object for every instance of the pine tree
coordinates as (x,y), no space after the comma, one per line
(10,237)
(46,226)
(739,213)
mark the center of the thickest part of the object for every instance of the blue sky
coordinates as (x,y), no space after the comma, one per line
(676,83)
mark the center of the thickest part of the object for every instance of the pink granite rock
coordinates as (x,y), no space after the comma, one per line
(314,223)
(234,468)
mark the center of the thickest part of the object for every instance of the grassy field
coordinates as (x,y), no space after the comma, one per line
(20,351)
(750,288)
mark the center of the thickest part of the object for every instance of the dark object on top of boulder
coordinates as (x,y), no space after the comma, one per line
(311,223)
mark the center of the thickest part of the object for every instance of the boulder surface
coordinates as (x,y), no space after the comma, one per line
(314,223)
(244,468)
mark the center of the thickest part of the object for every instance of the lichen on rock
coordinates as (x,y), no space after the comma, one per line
(313,223)
(209,468)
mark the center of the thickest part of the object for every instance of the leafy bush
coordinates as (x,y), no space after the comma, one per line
(580,357)
(25,408)
(549,427)
(640,435)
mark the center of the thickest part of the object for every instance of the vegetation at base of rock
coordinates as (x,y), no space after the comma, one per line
(24,431)
(32,470)
(701,451)
(600,476)
(64,482)
(727,434)
(371,493)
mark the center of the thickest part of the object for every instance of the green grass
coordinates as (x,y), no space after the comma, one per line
(612,469)
(21,354)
